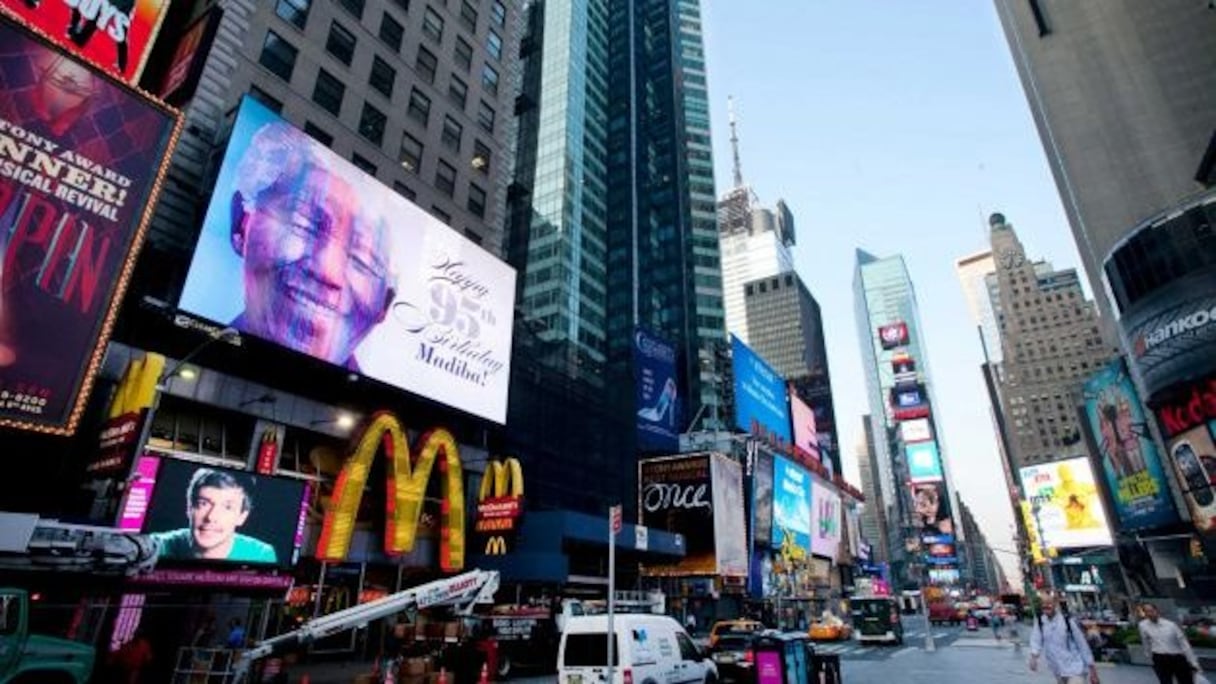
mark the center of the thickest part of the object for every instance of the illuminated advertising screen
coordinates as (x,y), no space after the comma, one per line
(1130,462)
(915,431)
(806,436)
(301,248)
(825,520)
(893,335)
(1065,504)
(762,498)
(908,402)
(931,507)
(730,529)
(1187,417)
(657,396)
(903,365)
(944,575)
(81,158)
(201,513)
(791,505)
(676,495)
(116,35)
(180,79)
(924,463)
(760,397)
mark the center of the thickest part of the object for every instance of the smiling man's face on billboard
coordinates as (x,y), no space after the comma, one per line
(315,271)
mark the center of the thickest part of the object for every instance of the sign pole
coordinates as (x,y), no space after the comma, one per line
(614,526)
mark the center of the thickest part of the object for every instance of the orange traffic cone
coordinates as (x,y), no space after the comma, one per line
(443,676)
(485,675)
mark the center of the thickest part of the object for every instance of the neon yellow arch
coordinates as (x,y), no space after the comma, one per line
(406,487)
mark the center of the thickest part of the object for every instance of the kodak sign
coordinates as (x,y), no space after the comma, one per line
(407,476)
(500,504)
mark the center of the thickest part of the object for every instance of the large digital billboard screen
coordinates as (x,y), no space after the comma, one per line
(825,520)
(1065,503)
(762,498)
(1187,416)
(1130,463)
(791,505)
(730,528)
(760,397)
(201,513)
(676,495)
(806,434)
(924,462)
(657,395)
(908,402)
(301,248)
(933,513)
(893,335)
(81,159)
(116,35)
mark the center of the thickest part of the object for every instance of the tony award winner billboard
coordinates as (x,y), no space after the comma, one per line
(81,159)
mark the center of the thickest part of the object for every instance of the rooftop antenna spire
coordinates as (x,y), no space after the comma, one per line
(734,142)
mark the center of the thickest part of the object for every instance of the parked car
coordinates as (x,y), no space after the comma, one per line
(650,649)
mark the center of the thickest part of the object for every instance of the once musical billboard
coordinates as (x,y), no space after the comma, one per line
(81,161)
(116,35)
(301,248)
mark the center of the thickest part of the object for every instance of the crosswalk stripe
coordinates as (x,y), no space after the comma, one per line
(903,651)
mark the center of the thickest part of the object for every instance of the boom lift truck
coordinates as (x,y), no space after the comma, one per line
(462,592)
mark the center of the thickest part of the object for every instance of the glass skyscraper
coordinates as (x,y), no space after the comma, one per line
(612,222)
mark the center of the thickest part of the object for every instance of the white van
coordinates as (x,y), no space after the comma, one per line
(651,649)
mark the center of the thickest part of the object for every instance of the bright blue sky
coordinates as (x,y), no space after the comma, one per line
(896,127)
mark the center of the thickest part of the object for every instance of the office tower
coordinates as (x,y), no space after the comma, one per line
(873,518)
(1124,96)
(977,274)
(1051,344)
(983,572)
(911,463)
(417,96)
(612,222)
(787,332)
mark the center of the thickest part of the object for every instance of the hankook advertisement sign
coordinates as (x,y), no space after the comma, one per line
(301,248)
(116,35)
(1172,331)
(81,161)
(1129,459)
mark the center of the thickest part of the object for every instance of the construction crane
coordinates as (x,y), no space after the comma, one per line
(461,592)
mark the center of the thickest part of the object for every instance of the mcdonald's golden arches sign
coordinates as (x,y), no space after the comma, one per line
(500,504)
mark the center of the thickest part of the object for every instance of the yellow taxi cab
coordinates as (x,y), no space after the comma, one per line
(722,627)
(828,627)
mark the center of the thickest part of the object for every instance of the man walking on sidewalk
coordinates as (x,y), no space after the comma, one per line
(1059,639)
(1166,644)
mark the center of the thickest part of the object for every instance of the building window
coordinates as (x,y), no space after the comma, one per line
(411,153)
(355,7)
(494,45)
(498,12)
(432,25)
(489,79)
(317,134)
(278,55)
(371,124)
(272,103)
(363,163)
(403,4)
(445,178)
(294,12)
(463,54)
(382,77)
(420,107)
(473,236)
(485,117)
(391,32)
(405,191)
(426,64)
(458,92)
(481,157)
(341,43)
(328,92)
(452,132)
(477,200)
(468,15)
(441,214)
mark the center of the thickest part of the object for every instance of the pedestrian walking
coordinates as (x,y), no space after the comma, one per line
(690,623)
(995,620)
(1058,638)
(1166,644)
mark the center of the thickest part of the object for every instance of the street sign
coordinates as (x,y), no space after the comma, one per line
(615,514)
